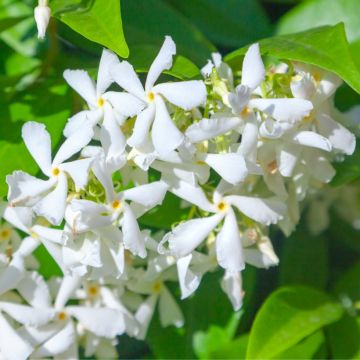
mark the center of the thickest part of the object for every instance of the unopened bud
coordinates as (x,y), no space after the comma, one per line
(42,17)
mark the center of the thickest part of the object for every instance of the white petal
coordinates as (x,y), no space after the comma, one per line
(287,110)
(125,76)
(52,206)
(38,142)
(157,265)
(340,137)
(78,171)
(25,189)
(249,139)
(82,83)
(148,195)
(232,286)
(82,118)
(133,238)
(231,167)
(12,346)
(165,135)
(321,168)
(47,233)
(27,246)
(163,61)
(193,194)
(228,245)
(144,315)
(253,69)
(100,321)
(184,94)
(169,311)
(111,136)
(126,104)
(104,78)
(189,280)
(184,238)
(20,217)
(265,211)
(34,290)
(207,129)
(287,158)
(142,127)
(57,344)
(67,288)
(27,315)
(12,274)
(311,139)
(73,144)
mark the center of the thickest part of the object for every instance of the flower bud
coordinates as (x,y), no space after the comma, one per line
(42,17)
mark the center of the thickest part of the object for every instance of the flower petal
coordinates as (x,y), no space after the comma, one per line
(184,94)
(340,137)
(229,252)
(287,158)
(207,129)
(126,104)
(104,78)
(184,238)
(12,274)
(83,84)
(148,195)
(55,235)
(126,77)
(287,110)
(165,135)
(249,139)
(144,315)
(38,142)
(265,211)
(311,139)
(78,171)
(253,69)
(163,61)
(232,286)
(52,206)
(73,144)
(231,167)
(142,127)
(67,288)
(169,311)
(189,280)
(82,118)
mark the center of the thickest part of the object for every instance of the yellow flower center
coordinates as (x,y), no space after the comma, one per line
(55,171)
(93,290)
(151,96)
(156,288)
(116,204)
(200,162)
(272,167)
(245,111)
(100,102)
(62,316)
(5,234)
(317,77)
(222,206)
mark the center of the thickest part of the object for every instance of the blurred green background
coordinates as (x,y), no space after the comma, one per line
(307,306)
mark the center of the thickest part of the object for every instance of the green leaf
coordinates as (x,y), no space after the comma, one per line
(347,285)
(304,260)
(48,266)
(147,22)
(234,350)
(315,13)
(325,47)
(344,338)
(97,20)
(289,315)
(227,23)
(306,349)
(10,22)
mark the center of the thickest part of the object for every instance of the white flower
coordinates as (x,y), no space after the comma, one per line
(155,115)
(42,195)
(42,16)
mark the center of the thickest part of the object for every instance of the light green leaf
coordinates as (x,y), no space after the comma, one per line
(325,47)
(315,13)
(289,315)
(227,23)
(97,20)
(236,349)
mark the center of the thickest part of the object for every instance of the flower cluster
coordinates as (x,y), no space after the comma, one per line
(239,149)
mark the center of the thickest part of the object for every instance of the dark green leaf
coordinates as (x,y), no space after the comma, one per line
(99,21)
(325,47)
(349,284)
(7,23)
(289,315)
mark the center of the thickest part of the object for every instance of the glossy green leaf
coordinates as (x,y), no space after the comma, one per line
(147,22)
(325,47)
(289,315)
(236,349)
(227,23)
(315,13)
(344,338)
(97,20)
